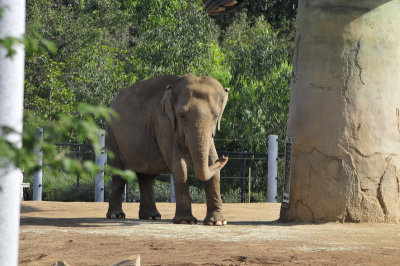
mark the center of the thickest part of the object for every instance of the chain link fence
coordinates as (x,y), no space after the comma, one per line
(244,178)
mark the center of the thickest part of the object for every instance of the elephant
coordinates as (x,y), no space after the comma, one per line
(164,124)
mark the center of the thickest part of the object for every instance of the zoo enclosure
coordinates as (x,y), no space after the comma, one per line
(244,178)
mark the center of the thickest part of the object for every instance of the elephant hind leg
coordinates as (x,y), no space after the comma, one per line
(147,209)
(115,205)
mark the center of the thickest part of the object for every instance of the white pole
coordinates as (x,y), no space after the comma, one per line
(125,199)
(12,24)
(37,176)
(272,168)
(100,160)
(172,189)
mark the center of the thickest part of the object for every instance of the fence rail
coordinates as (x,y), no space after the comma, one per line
(236,174)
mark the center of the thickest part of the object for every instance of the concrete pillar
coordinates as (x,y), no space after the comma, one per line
(12,24)
(344,112)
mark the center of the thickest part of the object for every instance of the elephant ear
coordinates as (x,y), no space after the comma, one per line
(224,101)
(167,105)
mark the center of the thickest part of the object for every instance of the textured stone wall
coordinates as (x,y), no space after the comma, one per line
(345,112)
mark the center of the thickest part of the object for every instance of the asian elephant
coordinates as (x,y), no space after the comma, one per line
(165,123)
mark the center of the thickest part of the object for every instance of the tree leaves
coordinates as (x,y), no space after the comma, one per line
(259,99)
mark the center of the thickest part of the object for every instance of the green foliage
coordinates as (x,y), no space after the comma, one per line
(231,196)
(259,99)
(96,74)
(8,43)
(83,130)
(91,38)
(60,185)
(173,37)
(52,96)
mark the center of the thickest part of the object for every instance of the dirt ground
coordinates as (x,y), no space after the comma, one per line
(79,234)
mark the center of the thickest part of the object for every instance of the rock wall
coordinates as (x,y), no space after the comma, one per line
(345,112)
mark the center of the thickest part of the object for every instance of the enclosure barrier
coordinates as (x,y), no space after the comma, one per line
(38,175)
(244,160)
(272,168)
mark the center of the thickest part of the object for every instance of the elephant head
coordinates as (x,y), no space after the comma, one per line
(194,106)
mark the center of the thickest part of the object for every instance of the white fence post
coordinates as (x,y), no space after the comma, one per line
(100,161)
(172,189)
(38,175)
(125,192)
(12,24)
(272,168)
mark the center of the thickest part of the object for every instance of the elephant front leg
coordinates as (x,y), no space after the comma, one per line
(115,204)
(183,213)
(213,195)
(214,203)
(147,209)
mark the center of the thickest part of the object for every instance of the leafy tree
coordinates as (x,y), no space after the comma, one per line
(104,46)
(258,103)
(173,37)
(91,39)
(85,129)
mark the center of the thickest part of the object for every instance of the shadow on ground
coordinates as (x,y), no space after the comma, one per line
(104,222)
(86,222)
(27,209)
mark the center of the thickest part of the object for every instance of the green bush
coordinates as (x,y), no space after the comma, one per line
(231,196)
(62,186)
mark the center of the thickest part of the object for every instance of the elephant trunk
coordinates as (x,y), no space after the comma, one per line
(199,148)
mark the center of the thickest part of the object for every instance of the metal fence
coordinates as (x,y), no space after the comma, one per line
(244,178)
(77,151)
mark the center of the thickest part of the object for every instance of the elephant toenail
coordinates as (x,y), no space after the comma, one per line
(218,223)
(184,222)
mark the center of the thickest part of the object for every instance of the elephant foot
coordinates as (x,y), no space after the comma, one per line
(115,215)
(216,219)
(217,223)
(184,219)
(149,214)
(151,217)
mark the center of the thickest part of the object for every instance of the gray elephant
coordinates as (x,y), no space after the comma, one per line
(165,123)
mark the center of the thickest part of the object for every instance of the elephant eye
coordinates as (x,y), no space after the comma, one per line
(215,116)
(181,115)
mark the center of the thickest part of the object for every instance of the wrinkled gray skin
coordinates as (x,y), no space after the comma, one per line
(166,122)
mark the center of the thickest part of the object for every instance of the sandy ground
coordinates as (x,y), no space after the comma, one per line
(78,234)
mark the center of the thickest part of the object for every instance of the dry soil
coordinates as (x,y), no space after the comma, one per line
(79,234)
